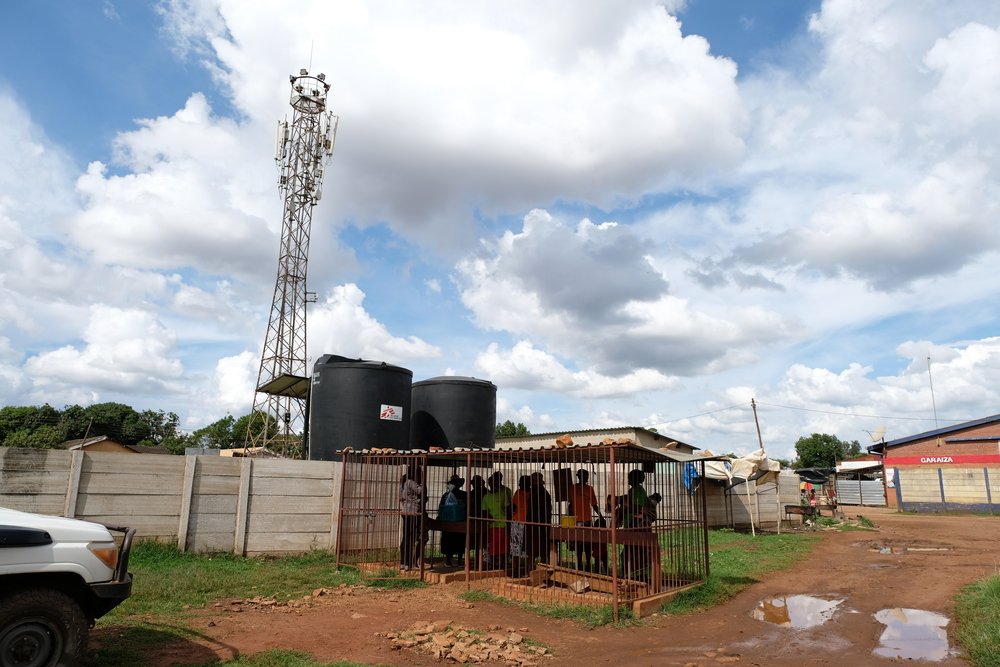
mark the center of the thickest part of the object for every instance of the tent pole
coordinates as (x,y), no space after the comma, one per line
(777,499)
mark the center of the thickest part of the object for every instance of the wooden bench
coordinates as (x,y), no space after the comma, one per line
(804,512)
(590,535)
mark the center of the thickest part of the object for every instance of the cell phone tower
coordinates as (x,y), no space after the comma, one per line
(302,150)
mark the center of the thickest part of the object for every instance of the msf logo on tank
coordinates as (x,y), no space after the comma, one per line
(393,413)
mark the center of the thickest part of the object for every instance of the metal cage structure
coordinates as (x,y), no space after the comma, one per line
(606,524)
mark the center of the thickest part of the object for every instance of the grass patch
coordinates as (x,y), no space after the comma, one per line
(866,522)
(167,581)
(390,578)
(736,559)
(281,658)
(977,617)
(169,584)
(589,615)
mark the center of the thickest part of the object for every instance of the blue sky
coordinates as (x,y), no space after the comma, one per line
(632,214)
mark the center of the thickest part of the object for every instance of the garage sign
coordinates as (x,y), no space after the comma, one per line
(942,460)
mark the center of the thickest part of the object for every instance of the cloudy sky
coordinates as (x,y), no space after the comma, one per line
(623,213)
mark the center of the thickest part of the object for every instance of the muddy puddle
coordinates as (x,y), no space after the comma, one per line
(796,611)
(902,549)
(912,634)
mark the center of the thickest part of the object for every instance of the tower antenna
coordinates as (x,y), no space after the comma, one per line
(933,401)
(302,150)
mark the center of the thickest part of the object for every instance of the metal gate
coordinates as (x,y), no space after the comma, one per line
(868,492)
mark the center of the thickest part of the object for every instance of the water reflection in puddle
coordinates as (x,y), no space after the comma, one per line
(796,611)
(903,550)
(912,634)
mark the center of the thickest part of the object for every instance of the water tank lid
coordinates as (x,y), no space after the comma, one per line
(337,361)
(454,379)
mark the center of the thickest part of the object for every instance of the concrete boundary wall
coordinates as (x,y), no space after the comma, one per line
(246,506)
(200,503)
(946,488)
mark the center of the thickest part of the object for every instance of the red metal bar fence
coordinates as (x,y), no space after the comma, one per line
(595,524)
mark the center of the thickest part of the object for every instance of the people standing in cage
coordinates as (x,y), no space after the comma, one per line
(519,515)
(539,526)
(497,504)
(477,520)
(411,504)
(452,507)
(583,505)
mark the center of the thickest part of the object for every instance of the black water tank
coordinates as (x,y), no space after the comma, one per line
(359,404)
(453,412)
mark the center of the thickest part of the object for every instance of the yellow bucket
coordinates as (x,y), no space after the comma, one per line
(567,521)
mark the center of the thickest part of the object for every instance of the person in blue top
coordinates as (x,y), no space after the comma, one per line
(452,508)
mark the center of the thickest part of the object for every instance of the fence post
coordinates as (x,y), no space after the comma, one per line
(944,503)
(73,484)
(899,490)
(242,504)
(989,495)
(187,490)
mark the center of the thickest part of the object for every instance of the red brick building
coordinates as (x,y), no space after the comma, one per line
(951,468)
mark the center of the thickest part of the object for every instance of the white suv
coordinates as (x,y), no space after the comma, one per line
(57,576)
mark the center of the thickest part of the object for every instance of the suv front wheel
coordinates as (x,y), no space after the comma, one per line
(40,627)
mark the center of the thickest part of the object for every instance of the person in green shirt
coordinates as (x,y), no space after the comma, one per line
(633,518)
(635,499)
(497,504)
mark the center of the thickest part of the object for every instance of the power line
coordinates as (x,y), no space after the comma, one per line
(800,409)
(854,414)
(700,414)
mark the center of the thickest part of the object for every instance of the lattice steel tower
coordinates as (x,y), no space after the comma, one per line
(302,150)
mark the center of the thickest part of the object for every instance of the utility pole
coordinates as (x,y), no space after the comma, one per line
(302,150)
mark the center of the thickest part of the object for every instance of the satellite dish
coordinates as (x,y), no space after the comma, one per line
(878,434)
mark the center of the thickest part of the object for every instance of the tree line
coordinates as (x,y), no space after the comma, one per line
(822,450)
(47,427)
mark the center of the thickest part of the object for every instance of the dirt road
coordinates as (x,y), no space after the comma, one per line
(910,562)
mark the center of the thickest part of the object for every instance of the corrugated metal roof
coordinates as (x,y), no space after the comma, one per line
(593,431)
(937,432)
(630,452)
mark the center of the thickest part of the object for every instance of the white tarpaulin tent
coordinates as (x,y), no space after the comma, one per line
(755,467)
